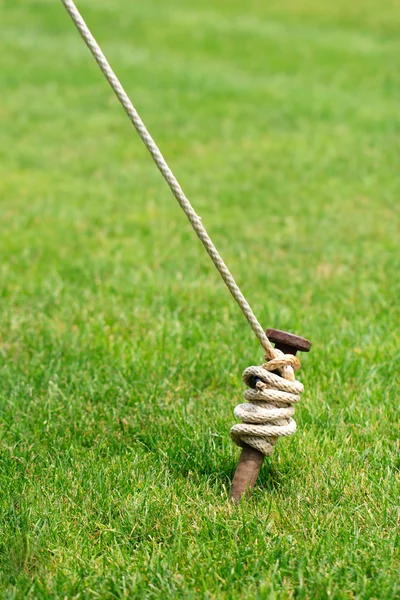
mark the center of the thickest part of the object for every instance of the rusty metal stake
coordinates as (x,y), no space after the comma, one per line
(250,460)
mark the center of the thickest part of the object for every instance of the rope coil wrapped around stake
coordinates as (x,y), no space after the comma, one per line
(267,414)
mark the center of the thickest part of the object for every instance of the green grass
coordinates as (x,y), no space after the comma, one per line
(121,351)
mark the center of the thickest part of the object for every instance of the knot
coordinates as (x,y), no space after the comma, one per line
(280,361)
(267,414)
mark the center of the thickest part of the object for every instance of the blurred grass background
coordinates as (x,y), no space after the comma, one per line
(121,350)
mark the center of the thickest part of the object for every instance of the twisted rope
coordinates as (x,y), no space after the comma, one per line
(167,174)
(267,414)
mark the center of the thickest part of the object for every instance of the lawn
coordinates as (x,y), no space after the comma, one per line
(121,350)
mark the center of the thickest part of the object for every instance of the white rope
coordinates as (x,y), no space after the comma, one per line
(267,414)
(168,175)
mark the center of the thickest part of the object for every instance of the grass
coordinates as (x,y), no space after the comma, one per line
(121,350)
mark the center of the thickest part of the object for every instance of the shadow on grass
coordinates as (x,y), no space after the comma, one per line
(217,469)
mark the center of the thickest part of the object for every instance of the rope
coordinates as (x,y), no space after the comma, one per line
(268,413)
(168,175)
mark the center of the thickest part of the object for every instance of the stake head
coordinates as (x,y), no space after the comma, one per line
(288,341)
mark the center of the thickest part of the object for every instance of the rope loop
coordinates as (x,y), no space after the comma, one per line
(267,414)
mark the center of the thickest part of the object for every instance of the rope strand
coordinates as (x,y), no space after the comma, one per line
(168,176)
